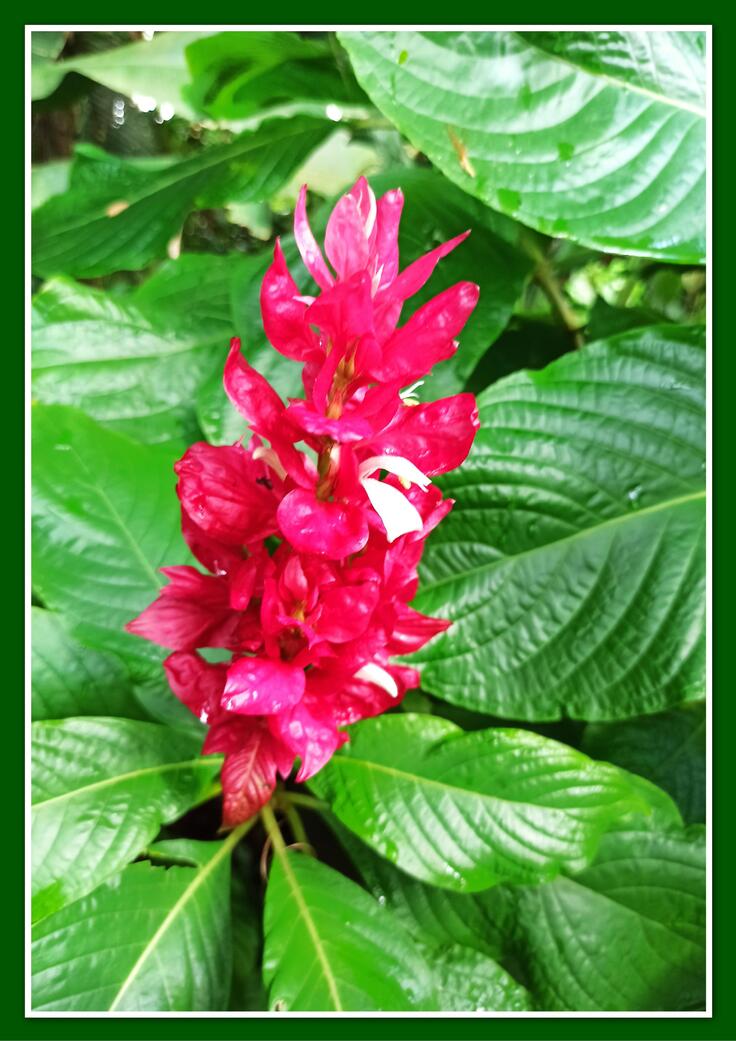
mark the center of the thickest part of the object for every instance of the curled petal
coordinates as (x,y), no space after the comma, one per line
(412,630)
(283,312)
(262,686)
(307,244)
(399,516)
(401,467)
(252,394)
(388,215)
(329,529)
(373,673)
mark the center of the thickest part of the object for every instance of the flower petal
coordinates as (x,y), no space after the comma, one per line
(198,684)
(252,759)
(283,312)
(307,244)
(262,686)
(330,529)
(399,516)
(401,467)
(436,437)
(351,230)
(252,394)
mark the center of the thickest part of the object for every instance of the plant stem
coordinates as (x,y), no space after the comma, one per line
(295,823)
(545,279)
(272,830)
(237,834)
(307,801)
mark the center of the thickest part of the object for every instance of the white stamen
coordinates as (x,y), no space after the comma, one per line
(399,516)
(373,673)
(305,299)
(408,392)
(270,458)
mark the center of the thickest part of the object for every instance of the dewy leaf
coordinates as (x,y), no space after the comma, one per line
(105,518)
(68,679)
(152,72)
(569,152)
(330,947)
(668,748)
(151,939)
(471,982)
(573,564)
(135,372)
(121,219)
(626,935)
(101,789)
(667,66)
(470,810)
(436,918)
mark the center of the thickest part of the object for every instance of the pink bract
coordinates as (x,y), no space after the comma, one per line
(311,566)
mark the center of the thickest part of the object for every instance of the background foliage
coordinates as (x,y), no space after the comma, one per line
(527,831)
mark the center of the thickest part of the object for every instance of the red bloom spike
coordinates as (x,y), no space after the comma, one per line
(312,626)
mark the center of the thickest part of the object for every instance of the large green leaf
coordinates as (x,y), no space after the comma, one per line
(134,371)
(68,679)
(247,993)
(667,66)
(668,748)
(569,152)
(151,939)
(101,789)
(153,70)
(468,811)
(330,947)
(626,935)
(105,517)
(573,564)
(122,217)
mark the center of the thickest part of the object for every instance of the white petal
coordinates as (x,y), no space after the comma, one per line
(397,465)
(398,515)
(373,673)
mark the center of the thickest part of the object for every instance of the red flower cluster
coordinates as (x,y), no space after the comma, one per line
(312,624)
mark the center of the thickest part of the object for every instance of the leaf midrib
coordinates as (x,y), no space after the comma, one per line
(634,515)
(201,874)
(118,778)
(309,922)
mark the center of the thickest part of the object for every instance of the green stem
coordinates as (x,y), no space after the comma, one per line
(545,279)
(237,834)
(272,830)
(295,823)
(307,801)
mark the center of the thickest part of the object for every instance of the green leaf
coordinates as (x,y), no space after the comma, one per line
(153,939)
(49,179)
(101,789)
(467,811)
(235,75)
(573,565)
(472,982)
(436,917)
(153,70)
(568,152)
(668,748)
(667,66)
(136,372)
(124,217)
(433,212)
(626,935)
(199,285)
(330,947)
(68,679)
(105,518)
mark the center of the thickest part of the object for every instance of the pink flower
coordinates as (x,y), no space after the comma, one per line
(311,559)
